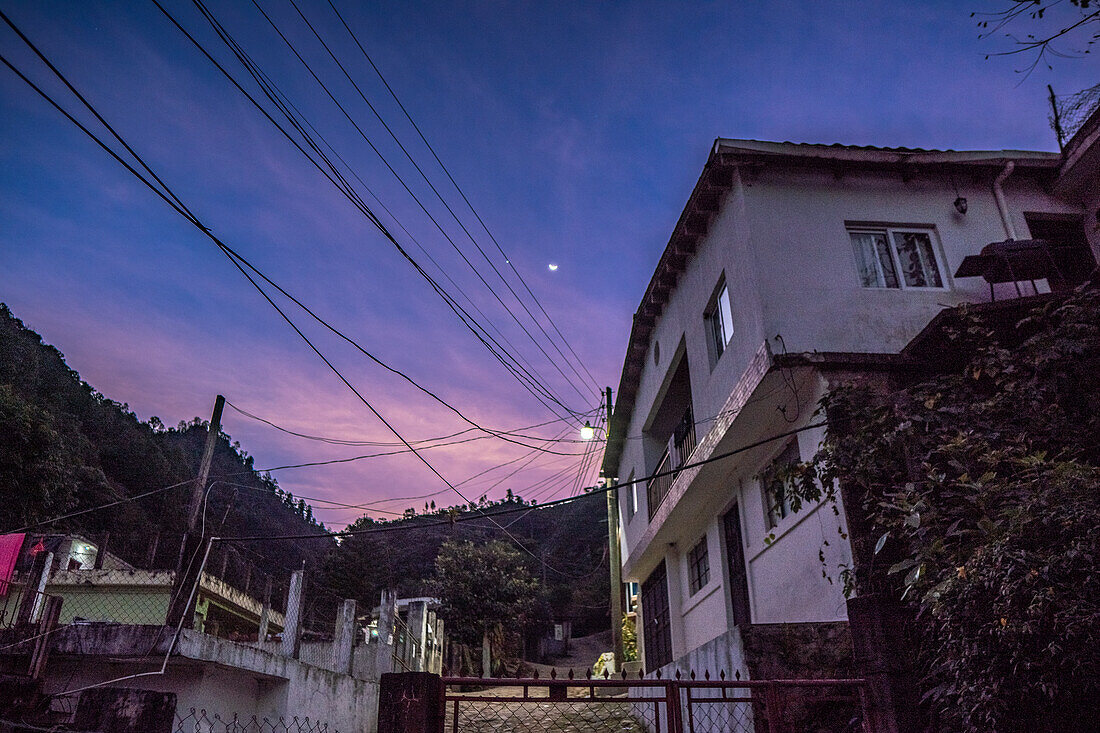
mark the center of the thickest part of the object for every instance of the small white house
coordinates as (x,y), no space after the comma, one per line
(789,263)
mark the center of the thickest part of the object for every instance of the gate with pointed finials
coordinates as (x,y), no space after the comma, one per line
(622,704)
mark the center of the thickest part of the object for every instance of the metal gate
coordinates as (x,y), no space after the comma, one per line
(620,705)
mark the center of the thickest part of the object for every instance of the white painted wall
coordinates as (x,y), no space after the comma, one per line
(781,240)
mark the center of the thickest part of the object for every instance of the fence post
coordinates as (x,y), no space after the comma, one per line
(28,600)
(411,701)
(673,710)
(344,639)
(387,618)
(773,704)
(42,581)
(292,632)
(418,632)
(265,611)
(46,625)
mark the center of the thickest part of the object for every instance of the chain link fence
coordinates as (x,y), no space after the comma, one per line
(688,705)
(200,721)
(1070,112)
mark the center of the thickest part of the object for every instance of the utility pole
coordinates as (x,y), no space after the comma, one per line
(614,558)
(187,572)
(199,489)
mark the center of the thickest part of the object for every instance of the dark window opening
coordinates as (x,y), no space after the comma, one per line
(1069,248)
(698,566)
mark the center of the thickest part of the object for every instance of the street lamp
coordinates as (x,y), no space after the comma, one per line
(587,431)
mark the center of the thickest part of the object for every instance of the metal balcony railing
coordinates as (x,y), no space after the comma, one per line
(658,486)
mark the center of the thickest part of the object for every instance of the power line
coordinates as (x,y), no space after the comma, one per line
(462,193)
(334,177)
(487,259)
(101,506)
(349,442)
(244,272)
(560,502)
(226,37)
(446,206)
(166,194)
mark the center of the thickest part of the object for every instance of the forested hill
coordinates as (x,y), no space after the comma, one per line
(64,447)
(564,547)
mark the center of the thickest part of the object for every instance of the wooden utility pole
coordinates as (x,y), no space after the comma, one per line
(614,558)
(187,572)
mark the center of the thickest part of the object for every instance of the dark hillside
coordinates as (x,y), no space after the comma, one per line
(64,447)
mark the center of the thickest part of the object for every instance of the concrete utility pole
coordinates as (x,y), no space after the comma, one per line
(614,558)
(199,489)
(187,572)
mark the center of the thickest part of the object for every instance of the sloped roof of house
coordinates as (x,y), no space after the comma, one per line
(717,178)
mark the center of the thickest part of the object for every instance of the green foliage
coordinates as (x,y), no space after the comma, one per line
(979,487)
(64,447)
(630,639)
(572,539)
(482,587)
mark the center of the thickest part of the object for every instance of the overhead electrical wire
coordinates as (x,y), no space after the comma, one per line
(226,37)
(517,433)
(447,206)
(100,507)
(195,221)
(166,194)
(560,502)
(336,179)
(462,193)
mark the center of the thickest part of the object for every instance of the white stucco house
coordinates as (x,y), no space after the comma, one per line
(789,262)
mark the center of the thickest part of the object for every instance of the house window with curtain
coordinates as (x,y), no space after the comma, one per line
(897,258)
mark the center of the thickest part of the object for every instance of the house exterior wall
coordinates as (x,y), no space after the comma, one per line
(215,675)
(780,241)
(806,266)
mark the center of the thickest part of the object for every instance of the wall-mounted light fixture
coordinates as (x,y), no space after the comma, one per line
(960,200)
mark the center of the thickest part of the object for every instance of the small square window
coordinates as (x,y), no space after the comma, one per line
(777,498)
(719,321)
(896,258)
(698,566)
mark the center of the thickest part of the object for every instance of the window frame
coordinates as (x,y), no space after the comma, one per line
(631,498)
(889,231)
(698,562)
(777,509)
(714,316)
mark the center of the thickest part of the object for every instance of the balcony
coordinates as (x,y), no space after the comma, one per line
(680,447)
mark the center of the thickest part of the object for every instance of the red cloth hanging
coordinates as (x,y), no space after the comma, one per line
(10,544)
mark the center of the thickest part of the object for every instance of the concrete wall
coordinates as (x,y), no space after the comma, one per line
(806,266)
(369,661)
(221,677)
(119,596)
(784,572)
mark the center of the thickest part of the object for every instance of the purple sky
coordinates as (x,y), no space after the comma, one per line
(577,129)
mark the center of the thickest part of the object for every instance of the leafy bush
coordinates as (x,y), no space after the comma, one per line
(980,491)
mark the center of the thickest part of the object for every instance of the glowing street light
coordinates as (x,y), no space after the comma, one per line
(588,432)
